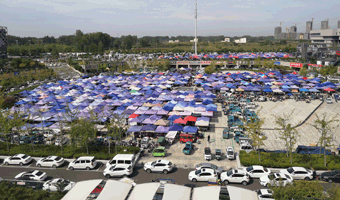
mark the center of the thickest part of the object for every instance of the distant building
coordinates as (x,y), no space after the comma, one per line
(325,36)
(241,40)
(173,41)
(324,25)
(309,26)
(3,42)
(293,29)
(226,40)
(277,31)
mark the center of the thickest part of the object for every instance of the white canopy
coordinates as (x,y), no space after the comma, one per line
(176,192)
(82,189)
(240,193)
(115,190)
(171,134)
(202,123)
(207,192)
(145,191)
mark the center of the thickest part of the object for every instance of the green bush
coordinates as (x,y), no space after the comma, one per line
(100,152)
(280,160)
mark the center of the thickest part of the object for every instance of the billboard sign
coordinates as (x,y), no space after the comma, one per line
(205,62)
(183,62)
(337,53)
(314,65)
(296,65)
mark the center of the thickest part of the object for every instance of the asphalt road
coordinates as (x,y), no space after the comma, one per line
(139,175)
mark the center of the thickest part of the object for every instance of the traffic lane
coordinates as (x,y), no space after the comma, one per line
(180,176)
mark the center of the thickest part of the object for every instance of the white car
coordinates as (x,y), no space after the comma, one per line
(49,134)
(119,170)
(18,159)
(164,166)
(276,179)
(246,146)
(257,171)
(235,176)
(299,173)
(35,175)
(84,162)
(60,141)
(58,184)
(51,161)
(230,153)
(265,194)
(329,100)
(202,175)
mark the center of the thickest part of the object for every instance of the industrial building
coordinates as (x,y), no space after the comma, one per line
(3,42)
(290,34)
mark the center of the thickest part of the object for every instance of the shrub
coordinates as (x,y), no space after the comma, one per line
(280,160)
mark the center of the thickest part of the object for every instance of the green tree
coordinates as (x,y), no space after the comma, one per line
(325,127)
(299,190)
(253,128)
(288,133)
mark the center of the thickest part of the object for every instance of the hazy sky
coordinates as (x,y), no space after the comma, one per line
(162,17)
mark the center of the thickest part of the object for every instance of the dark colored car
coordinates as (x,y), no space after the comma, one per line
(39,140)
(332,176)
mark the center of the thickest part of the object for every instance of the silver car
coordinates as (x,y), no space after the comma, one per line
(208,166)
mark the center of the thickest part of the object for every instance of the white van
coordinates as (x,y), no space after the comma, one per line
(128,159)
(84,162)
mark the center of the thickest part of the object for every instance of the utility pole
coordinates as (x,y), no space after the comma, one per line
(196,27)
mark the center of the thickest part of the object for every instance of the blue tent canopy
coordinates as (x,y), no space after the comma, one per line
(176,127)
(135,129)
(190,129)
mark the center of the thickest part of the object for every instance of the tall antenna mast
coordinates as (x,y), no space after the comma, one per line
(196,27)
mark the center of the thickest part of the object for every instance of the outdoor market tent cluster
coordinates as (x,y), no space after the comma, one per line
(117,190)
(226,56)
(148,101)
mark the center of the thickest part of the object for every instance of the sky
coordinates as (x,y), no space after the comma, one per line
(39,18)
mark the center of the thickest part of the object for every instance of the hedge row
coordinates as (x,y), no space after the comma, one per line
(100,152)
(280,160)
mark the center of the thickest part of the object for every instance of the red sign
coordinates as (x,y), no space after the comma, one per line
(314,65)
(337,53)
(298,65)
(183,62)
(205,62)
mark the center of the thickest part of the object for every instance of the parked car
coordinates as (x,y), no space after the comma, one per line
(25,140)
(202,175)
(84,162)
(257,171)
(49,134)
(329,100)
(39,140)
(18,159)
(61,140)
(159,151)
(51,161)
(235,176)
(35,175)
(119,170)
(230,153)
(299,173)
(276,179)
(246,147)
(164,166)
(332,176)
(208,166)
(58,184)
(188,148)
(145,142)
(265,194)
(207,153)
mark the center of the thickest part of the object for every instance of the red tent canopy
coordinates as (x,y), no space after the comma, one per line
(190,118)
(180,121)
(133,115)
(329,90)
(304,78)
(294,73)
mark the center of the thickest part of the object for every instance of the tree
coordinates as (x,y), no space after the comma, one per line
(119,122)
(325,127)
(334,192)
(288,133)
(299,190)
(303,71)
(84,130)
(6,125)
(253,128)
(211,68)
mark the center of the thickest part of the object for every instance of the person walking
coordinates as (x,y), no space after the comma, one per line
(209,138)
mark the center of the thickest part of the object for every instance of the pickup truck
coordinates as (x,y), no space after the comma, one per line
(207,153)
(188,148)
